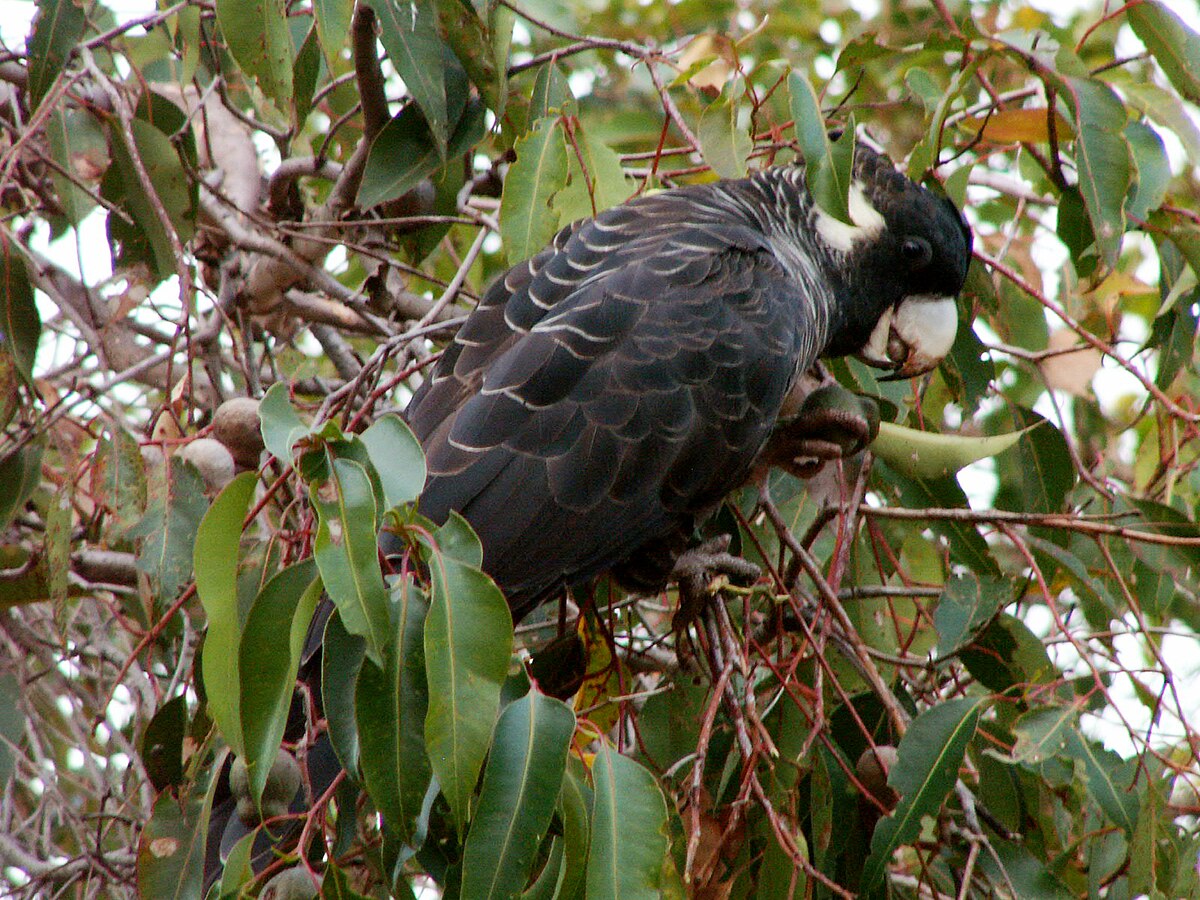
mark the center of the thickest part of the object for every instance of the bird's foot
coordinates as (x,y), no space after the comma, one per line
(699,572)
(832,423)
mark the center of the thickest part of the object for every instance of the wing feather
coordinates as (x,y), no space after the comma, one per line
(609,391)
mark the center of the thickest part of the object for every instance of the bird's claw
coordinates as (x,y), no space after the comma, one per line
(832,423)
(698,570)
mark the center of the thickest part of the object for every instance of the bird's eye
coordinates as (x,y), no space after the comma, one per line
(917,251)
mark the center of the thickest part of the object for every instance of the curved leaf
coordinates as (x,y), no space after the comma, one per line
(603,185)
(215,559)
(1103,157)
(257,34)
(827,171)
(347,555)
(268,665)
(468,640)
(575,804)
(929,455)
(724,142)
(390,705)
(170,851)
(526,220)
(1109,779)
(282,426)
(1173,45)
(342,656)
(140,236)
(929,756)
(520,788)
(397,457)
(408,31)
(404,152)
(629,830)
(20,324)
(967,604)
(1042,733)
(56,29)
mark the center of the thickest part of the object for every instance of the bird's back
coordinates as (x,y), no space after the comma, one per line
(613,387)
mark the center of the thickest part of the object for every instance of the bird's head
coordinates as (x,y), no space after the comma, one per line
(903,262)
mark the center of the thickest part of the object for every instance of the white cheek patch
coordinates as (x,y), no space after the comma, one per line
(913,337)
(868,222)
(926,326)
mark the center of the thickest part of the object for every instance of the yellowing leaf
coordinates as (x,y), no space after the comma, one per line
(1011,126)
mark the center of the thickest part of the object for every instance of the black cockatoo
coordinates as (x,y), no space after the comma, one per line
(611,390)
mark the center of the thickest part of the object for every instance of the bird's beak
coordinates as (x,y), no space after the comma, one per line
(912,337)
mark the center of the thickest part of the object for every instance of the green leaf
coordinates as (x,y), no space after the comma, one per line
(1042,733)
(397,457)
(333,24)
(347,554)
(527,221)
(176,504)
(551,93)
(342,657)
(779,878)
(282,427)
(1103,158)
(724,142)
(670,722)
(408,30)
(1085,583)
(1047,473)
(305,72)
(1007,655)
(122,478)
(257,35)
(967,604)
(629,830)
(1028,875)
(404,153)
(929,455)
(546,885)
(477,45)
(603,186)
(57,28)
(520,788)
(1173,45)
(12,725)
(140,236)
(215,561)
(171,846)
(20,472)
(267,665)
(1152,168)
(575,804)
(828,172)
(239,865)
(390,705)
(929,756)
(20,324)
(1175,334)
(501,21)
(161,747)
(468,640)
(1109,779)
(79,146)
(969,370)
